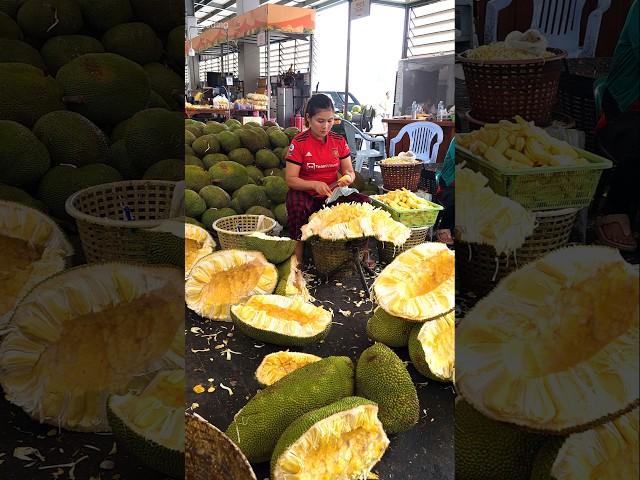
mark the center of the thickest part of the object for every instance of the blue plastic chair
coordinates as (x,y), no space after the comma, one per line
(372,155)
(421,136)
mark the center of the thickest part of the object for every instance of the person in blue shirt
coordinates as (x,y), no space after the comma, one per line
(445,196)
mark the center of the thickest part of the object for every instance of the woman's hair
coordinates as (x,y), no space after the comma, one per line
(318,102)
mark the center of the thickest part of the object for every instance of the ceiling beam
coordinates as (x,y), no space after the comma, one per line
(217,9)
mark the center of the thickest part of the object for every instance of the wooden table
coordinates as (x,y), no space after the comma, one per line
(395,124)
(191,112)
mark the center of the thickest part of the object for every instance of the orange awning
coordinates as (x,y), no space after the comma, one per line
(267,17)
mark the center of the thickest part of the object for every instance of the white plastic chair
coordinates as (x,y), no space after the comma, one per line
(558,21)
(421,135)
(371,154)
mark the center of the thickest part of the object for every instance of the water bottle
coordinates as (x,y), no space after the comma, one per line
(414,110)
(441,110)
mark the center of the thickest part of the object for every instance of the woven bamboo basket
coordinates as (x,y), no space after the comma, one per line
(501,89)
(561,119)
(211,455)
(232,231)
(330,256)
(480,268)
(395,177)
(100,212)
(387,251)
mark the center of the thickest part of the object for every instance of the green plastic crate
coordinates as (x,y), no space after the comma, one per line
(542,188)
(422,217)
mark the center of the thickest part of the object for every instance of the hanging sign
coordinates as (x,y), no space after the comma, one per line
(262,38)
(360,8)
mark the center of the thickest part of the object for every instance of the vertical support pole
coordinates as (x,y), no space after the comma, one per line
(268,40)
(346,86)
(405,37)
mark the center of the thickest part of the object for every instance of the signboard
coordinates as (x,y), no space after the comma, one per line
(360,8)
(262,38)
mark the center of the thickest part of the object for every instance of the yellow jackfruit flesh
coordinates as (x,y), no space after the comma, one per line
(226,278)
(276,365)
(432,348)
(197,244)
(86,333)
(419,284)
(555,346)
(341,441)
(32,248)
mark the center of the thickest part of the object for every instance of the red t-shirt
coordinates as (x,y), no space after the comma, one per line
(318,160)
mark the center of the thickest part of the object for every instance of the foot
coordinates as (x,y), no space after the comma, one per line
(444,236)
(614,230)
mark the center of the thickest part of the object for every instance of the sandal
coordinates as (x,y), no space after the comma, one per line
(444,236)
(619,223)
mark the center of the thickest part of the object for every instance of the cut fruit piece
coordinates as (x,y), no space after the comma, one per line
(151,425)
(486,449)
(387,329)
(32,248)
(279,364)
(226,278)
(347,221)
(342,441)
(198,243)
(608,451)
(291,283)
(86,333)
(419,284)
(275,249)
(383,378)
(432,348)
(554,347)
(288,321)
(166,244)
(211,454)
(258,425)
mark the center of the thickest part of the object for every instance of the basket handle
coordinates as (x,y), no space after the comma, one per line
(261,221)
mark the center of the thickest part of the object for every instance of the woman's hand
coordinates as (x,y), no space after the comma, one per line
(345,180)
(322,189)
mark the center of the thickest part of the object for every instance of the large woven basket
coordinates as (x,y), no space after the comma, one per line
(100,213)
(501,89)
(387,251)
(211,455)
(480,268)
(395,177)
(331,256)
(561,119)
(232,231)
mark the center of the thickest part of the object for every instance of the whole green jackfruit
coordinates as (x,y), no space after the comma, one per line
(229,176)
(72,139)
(383,378)
(214,127)
(14,194)
(196,178)
(101,15)
(136,41)
(9,28)
(160,14)
(170,169)
(23,158)
(214,196)
(278,139)
(252,195)
(258,425)
(205,145)
(175,46)
(153,135)
(387,329)
(49,18)
(168,84)
(17,51)
(194,205)
(229,141)
(266,159)
(120,161)
(211,159)
(58,51)
(241,155)
(104,87)
(276,189)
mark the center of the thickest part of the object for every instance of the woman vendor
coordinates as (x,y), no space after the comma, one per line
(315,160)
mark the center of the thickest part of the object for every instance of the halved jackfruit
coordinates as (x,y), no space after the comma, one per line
(554,347)
(209,453)
(198,243)
(151,424)
(275,249)
(432,348)
(607,451)
(278,364)
(342,441)
(288,321)
(387,329)
(32,248)
(419,284)
(86,333)
(291,283)
(225,278)
(355,220)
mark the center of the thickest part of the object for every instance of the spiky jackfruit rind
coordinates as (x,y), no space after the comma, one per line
(258,425)
(383,378)
(387,329)
(275,249)
(306,422)
(295,304)
(542,307)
